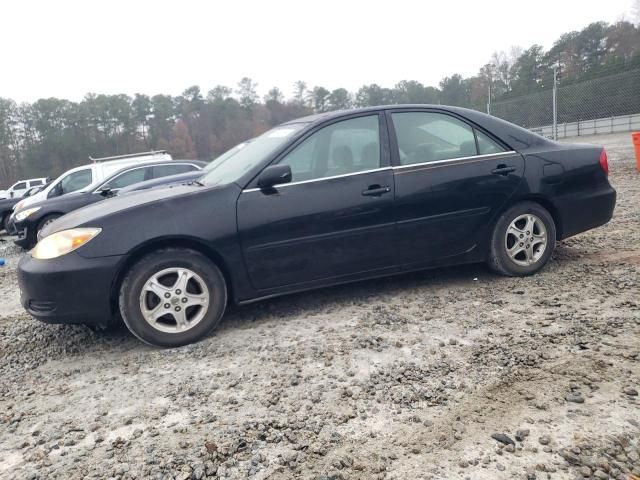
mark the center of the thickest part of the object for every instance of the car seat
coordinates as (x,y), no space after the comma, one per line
(369,156)
(342,160)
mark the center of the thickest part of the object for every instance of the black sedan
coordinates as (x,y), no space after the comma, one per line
(318,201)
(7,204)
(31,220)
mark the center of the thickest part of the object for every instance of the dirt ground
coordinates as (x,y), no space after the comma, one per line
(401,378)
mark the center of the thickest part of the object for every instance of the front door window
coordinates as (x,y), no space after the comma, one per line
(350,146)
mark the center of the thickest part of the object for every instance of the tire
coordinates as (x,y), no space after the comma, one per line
(154,283)
(3,222)
(44,222)
(518,250)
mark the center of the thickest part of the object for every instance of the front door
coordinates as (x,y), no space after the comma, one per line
(451,178)
(334,219)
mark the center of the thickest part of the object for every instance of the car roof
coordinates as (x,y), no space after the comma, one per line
(516,137)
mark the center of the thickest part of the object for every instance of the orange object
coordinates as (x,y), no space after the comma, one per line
(636,145)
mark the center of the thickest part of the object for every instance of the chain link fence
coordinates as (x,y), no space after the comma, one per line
(604,105)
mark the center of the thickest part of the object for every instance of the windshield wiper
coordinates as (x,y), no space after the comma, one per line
(198,182)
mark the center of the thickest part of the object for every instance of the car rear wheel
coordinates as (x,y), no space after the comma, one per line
(173,297)
(4,219)
(523,240)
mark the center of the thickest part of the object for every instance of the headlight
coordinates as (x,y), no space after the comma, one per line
(20,216)
(61,243)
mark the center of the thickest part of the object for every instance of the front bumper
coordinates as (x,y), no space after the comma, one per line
(11,225)
(26,231)
(68,289)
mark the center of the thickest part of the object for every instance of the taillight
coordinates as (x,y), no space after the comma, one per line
(604,162)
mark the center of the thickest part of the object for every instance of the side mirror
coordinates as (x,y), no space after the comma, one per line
(105,191)
(274,175)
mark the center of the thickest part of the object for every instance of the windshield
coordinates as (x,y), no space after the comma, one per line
(228,154)
(230,166)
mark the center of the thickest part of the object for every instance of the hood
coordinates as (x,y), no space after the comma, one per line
(86,215)
(8,203)
(53,202)
(27,202)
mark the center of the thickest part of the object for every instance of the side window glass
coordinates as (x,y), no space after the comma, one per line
(429,137)
(486,145)
(19,186)
(127,178)
(345,147)
(165,170)
(75,181)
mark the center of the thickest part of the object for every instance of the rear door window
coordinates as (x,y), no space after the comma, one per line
(166,170)
(129,178)
(429,136)
(486,145)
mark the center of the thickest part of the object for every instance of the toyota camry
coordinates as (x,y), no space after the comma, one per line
(322,200)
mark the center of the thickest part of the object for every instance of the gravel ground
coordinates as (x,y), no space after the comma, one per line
(451,373)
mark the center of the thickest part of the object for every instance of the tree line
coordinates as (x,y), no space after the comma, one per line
(51,135)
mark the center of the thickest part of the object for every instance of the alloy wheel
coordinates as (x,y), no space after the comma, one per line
(526,239)
(174,300)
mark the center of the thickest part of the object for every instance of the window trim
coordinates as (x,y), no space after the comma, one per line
(313,180)
(421,166)
(395,149)
(440,163)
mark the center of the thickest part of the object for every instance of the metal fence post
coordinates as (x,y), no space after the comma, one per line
(555,102)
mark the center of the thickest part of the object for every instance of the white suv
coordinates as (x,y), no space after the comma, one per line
(81,179)
(19,188)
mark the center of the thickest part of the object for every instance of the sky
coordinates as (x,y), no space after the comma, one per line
(67,48)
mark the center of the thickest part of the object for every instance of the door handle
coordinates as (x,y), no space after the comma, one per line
(503,169)
(375,191)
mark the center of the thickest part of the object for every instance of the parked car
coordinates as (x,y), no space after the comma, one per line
(183,178)
(30,221)
(318,201)
(6,207)
(87,176)
(18,189)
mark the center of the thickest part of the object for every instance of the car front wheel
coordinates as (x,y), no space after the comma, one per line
(173,297)
(523,240)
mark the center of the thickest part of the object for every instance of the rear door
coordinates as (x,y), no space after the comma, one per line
(451,178)
(334,219)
